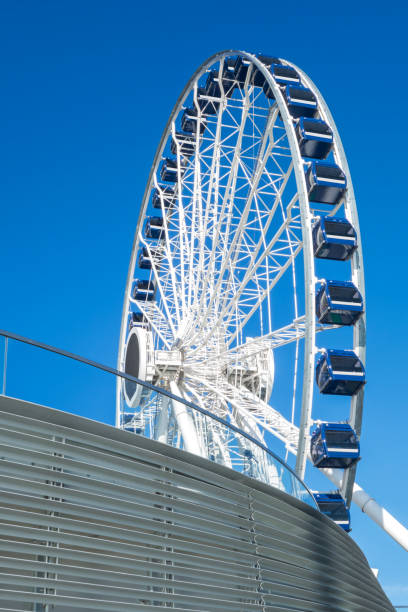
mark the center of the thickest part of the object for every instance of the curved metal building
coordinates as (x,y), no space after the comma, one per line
(94,518)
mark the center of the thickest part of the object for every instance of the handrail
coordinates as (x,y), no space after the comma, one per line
(160,390)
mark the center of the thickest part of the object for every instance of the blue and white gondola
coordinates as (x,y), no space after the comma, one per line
(207,107)
(167,194)
(144,290)
(228,76)
(185,142)
(315,138)
(284,75)
(190,120)
(154,228)
(241,69)
(301,101)
(334,506)
(334,238)
(338,303)
(212,86)
(169,170)
(334,445)
(137,319)
(145,258)
(257,78)
(339,372)
(326,182)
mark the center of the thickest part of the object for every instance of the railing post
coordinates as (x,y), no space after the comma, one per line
(3,392)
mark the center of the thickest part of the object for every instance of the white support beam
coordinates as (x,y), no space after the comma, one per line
(185,423)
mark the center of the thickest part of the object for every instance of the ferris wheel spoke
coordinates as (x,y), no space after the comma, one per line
(255,410)
(291,333)
(242,230)
(286,335)
(216,389)
(212,189)
(227,264)
(264,152)
(279,269)
(281,258)
(224,217)
(255,261)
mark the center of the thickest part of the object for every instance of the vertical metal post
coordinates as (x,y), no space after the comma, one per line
(3,392)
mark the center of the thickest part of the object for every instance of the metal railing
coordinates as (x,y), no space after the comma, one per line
(39,382)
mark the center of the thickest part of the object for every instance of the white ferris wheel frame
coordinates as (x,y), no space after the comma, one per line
(278,425)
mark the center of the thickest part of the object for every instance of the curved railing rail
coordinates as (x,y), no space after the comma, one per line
(291,483)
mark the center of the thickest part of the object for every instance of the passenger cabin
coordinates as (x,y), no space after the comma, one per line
(154,228)
(334,238)
(169,170)
(338,303)
(207,107)
(268,91)
(257,78)
(145,258)
(228,76)
(186,144)
(191,122)
(284,75)
(144,290)
(301,102)
(334,506)
(334,445)
(326,182)
(166,193)
(212,86)
(137,319)
(315,138)
(241,69)
(339,373)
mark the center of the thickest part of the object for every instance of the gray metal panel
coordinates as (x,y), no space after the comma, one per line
(93,518)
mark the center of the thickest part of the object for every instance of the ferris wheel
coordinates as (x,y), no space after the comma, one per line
(245,292)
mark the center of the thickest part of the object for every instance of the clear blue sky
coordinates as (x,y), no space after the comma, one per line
(86,89)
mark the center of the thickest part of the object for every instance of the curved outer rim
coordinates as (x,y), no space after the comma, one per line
(308,256)
(357,274)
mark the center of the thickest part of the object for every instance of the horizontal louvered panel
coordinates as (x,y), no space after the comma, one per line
(98,519)
(170,483)
(101,546)
(135,595)
(320,580)
(107,563)
(126,449)
(105,579)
